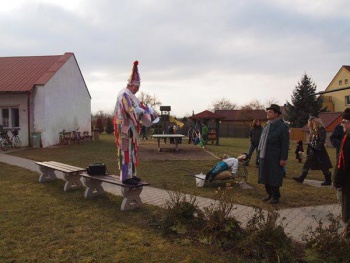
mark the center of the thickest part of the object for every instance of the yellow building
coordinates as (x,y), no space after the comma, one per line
(339,100)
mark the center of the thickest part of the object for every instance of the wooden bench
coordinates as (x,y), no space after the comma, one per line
(131,193)
(72,174)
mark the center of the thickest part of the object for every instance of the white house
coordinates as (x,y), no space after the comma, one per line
(43,94)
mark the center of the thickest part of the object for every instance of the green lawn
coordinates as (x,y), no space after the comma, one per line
(168,174)
(41,223)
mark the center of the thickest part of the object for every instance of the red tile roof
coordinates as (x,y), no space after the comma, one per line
(242,115)
(21,74)
(207,115)
(327,118)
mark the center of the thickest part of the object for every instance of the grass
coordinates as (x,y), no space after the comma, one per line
(41,223)
(167,174)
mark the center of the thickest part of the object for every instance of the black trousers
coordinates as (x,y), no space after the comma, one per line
(273,191)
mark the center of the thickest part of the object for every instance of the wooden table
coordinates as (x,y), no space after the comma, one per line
(170,136)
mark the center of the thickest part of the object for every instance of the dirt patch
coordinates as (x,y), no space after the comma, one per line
(148,151)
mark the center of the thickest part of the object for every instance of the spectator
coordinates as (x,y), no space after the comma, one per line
(254,135)
(178,131)
(273,154)
(317,156)
(143,132)
(299,151)
(336,138)
(205,132)
(342,170)
(171,131)
(190,134)
(226,164)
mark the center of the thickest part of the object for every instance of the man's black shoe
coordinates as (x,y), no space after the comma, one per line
(273,201)
(326,183)
(130,181)
(265,199)
(137,179)
(298,179)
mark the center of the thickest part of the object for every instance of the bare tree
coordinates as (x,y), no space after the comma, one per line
(223,104)
(253,105)
(149,100)
(271,101)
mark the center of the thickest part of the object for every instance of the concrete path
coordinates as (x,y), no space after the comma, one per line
(294,220)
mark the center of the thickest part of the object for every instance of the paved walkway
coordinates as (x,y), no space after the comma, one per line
(296,221)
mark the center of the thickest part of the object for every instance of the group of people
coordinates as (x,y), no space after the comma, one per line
(270,142)
(173,129)
(194,134)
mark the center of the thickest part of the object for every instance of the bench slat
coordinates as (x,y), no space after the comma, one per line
(112,179)
(67,166)
(61,167)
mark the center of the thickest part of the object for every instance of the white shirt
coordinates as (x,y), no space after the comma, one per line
(233,163)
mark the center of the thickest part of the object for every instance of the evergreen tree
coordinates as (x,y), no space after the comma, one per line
(109,126)
(304,103)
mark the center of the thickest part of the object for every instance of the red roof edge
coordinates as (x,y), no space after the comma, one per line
(54,68)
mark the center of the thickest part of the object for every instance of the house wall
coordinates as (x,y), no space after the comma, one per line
(339,96)
(63,103)
(18,101)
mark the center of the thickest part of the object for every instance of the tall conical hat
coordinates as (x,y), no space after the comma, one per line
(134,78)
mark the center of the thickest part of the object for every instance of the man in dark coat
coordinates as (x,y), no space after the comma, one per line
(273,154)
(317,156)
(342,170)
(336,138)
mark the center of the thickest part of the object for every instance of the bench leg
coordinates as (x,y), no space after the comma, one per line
(94,188)
(47,174)
(158,144)
(72,182)
(131,198)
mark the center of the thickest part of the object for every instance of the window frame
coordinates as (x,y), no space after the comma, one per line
(12,119)
(347,100)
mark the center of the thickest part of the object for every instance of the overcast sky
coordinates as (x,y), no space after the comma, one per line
(190,53)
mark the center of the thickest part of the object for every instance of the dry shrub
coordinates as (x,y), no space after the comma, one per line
(265,240)
(220,228)
(182,215)
(328,243)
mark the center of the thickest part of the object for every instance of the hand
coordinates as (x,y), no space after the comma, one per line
(283,162)
(139,110)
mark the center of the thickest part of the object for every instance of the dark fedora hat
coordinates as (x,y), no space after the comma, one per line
(275,108)
(346,114)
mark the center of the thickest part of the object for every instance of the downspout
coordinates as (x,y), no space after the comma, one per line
(28,112)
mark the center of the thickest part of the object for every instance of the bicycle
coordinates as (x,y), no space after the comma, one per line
(7,142)
(15,140)
(76,137)
(64,137)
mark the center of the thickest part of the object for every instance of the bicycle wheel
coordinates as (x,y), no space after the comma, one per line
(17,142)
(5,144)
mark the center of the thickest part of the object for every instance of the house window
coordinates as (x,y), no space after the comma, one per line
(346,81)
(9,117)
(5,117)
(340,82)
(347,100)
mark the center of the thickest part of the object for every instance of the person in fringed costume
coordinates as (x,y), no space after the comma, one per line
(127,115)
(342,170)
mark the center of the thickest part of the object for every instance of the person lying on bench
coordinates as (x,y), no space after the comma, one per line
(224,165)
